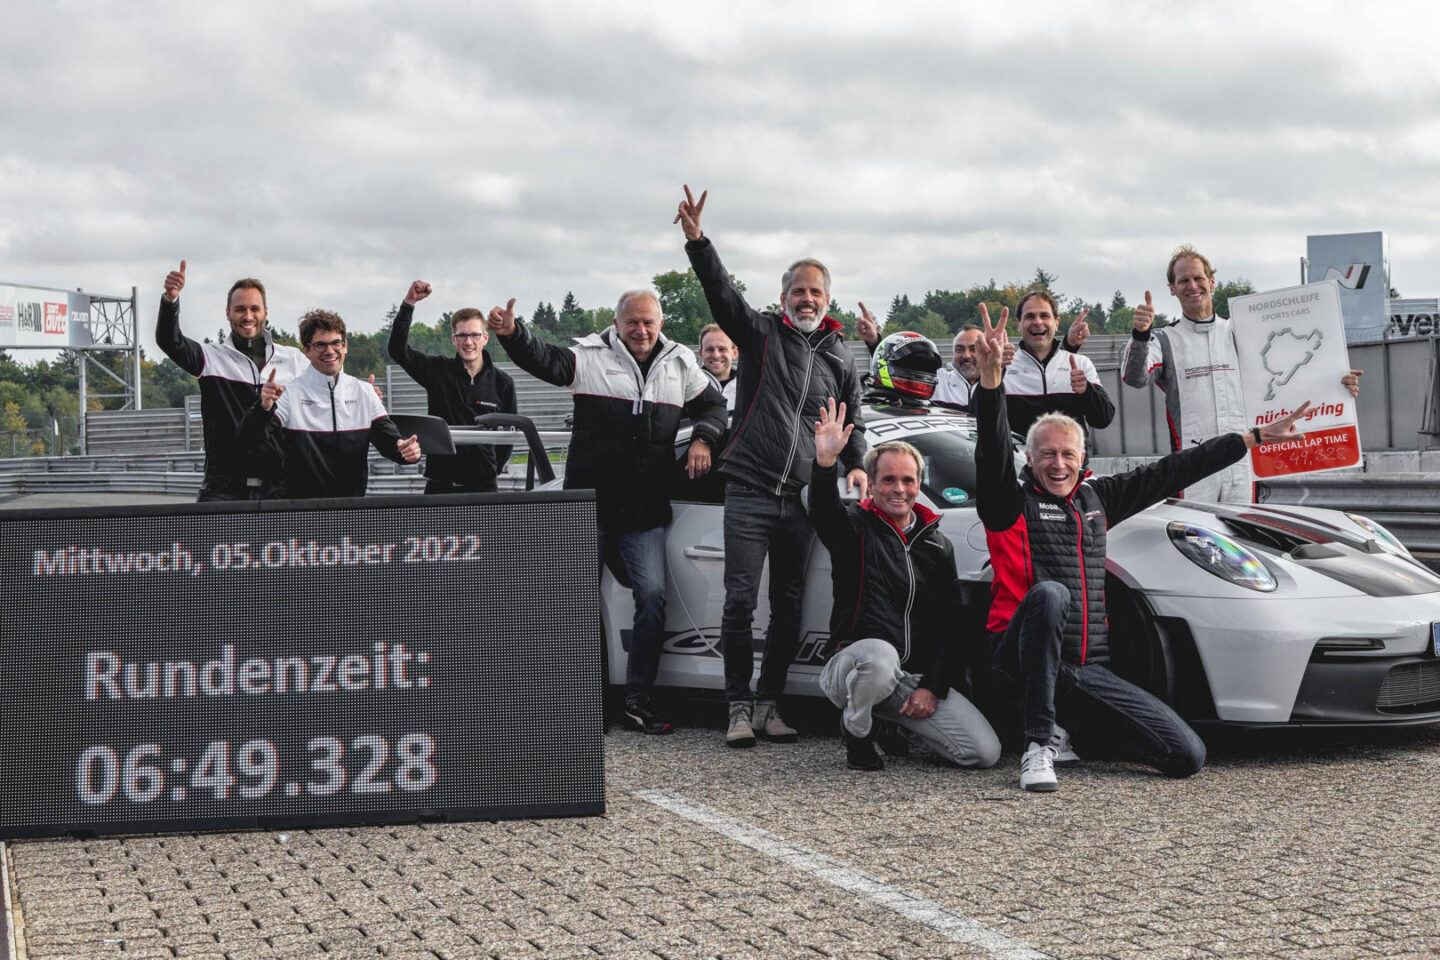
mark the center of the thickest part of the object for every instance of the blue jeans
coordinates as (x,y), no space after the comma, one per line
(1093,702)
(642,553)
(757,523)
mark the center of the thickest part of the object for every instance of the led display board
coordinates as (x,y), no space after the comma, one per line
(219,666)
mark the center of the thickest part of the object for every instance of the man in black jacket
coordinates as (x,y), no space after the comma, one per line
(631,386)
(457,389)
(893,649)
(790,364)
(230,374)
(1046,530)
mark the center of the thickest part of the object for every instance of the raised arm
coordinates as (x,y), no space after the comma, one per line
(832,434)
(1126,494)
(540,359)
(727,304)
(1143,362)
(186,352)
(997,485)
(399,345)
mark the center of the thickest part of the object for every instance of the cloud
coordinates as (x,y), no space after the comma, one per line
(341,150)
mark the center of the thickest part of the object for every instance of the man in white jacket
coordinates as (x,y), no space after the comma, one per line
(1194,364)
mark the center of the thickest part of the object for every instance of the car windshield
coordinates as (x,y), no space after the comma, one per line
(949,478)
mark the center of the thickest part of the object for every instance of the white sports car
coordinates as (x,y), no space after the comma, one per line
(1234,614)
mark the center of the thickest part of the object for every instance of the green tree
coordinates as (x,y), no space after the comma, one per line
(571,322)
(683,304)
(1238,287)
(545,323)
(15,426)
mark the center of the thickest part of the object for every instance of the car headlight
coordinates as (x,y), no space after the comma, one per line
(1375,530)
(1221,556)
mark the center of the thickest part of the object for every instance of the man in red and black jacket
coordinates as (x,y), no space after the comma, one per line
(1045,529)
(896,602)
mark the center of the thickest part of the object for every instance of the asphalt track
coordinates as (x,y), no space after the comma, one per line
(1293,844)
(1284,846)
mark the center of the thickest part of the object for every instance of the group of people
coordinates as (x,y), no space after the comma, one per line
(774,401)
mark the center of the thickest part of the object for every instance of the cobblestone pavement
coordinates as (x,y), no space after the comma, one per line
(1283,847)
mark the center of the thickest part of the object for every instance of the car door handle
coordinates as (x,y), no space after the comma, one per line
(702,552)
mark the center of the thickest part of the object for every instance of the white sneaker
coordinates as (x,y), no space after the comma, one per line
(1065,755)
(1037,768)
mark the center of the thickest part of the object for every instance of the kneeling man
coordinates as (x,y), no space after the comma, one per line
(897,603)
(1046,533)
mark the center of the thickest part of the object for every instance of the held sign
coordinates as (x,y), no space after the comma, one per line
(1291,347)
(299,664)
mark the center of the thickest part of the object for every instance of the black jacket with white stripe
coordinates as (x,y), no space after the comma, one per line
(229,387)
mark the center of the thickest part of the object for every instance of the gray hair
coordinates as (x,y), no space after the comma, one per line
(872,456)
(806,262)
(1052,419)
(965,329)
(629,295)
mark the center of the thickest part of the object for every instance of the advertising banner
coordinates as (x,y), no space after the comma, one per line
(1356,262)
(1412,318)
(362,661)
(37,317)
(1291,347)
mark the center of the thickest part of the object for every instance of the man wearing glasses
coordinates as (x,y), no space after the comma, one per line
(325,418)
(458,389)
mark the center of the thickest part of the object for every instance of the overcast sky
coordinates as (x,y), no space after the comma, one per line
(340,150)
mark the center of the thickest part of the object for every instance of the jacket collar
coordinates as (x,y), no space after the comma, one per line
(924,517)
(828,324)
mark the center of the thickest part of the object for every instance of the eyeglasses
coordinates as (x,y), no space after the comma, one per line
(324,346)
(467,336)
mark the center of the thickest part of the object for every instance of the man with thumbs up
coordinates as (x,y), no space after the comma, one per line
(325,418)
(1193,362)
(1044,379)
(230,373)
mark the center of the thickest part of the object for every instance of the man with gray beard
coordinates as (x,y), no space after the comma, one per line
(792,362)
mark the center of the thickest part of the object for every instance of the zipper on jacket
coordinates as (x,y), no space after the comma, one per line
(1084,590)
(334,418)
(910,578)
(795,426)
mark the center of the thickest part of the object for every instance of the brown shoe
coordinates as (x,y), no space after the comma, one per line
(768,724)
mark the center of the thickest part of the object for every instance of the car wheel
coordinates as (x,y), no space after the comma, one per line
(1137,652)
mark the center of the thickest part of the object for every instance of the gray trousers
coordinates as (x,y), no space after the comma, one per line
(865,679)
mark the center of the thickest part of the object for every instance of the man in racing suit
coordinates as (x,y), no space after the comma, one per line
(230,374)
(326,419)
(893,648)
(791,363)
(1193,363)
(1046,531)
(631,386)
